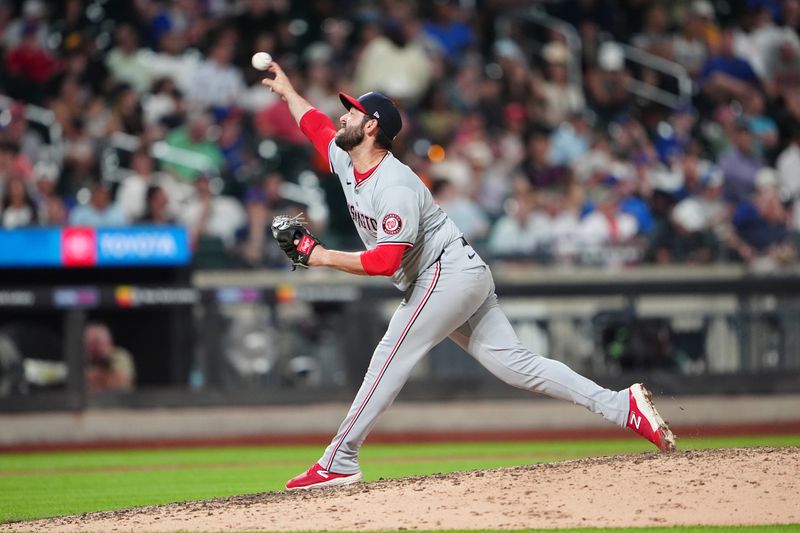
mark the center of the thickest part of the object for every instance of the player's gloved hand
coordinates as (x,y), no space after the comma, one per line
(294,239)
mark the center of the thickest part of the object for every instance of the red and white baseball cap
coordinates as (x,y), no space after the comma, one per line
(378,106)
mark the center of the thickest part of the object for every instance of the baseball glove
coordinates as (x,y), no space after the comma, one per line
(294,239)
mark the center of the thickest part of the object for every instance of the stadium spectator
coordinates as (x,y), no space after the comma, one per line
(509,143)
(727,75)
(98,211)
(761,42)
(788,166)
(216,83)
(782,66)
(156,207)
(19,209)
(260,17)
(173,60)
(704,10)
(489,183)
(262,203)
(395,63)
(699,225)
(126,112)
(163,108)
(466,214)
(761,224)
(514,234)
(31,142)
(675,139)
(131,193)
(571,139)
(126,62)
(34,15)
(437,117)
(322,85)
(561,98)
(537,166)
(520,83)
(71,31)
(108,367)
(689,46)
(448,29)
(50,207)
(211,215)
(606,224)
(232,143)
(12,163)
(764,129)
(740,164)
(655,36)
(204,155)
(557,225)
(29,66)
(607,83)
(68,103)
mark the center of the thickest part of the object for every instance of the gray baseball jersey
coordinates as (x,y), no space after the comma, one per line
(392,205)
(449,293)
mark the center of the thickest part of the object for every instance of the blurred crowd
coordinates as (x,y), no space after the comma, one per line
(540,150)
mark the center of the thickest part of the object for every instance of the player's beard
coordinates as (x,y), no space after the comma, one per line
(350,137)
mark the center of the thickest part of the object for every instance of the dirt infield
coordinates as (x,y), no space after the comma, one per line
(722,487)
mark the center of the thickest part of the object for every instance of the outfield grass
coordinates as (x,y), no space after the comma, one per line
(39,485)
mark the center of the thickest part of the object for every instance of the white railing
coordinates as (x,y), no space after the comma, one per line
(571,38)
(47,120)
(663,66)
(640,88)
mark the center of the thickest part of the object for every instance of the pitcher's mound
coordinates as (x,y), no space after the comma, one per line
(724,487)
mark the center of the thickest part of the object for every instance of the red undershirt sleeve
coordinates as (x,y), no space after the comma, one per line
(384,259)
(320,131)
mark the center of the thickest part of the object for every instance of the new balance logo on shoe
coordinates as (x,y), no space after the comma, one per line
(654,429)
(323,473)
(636,421)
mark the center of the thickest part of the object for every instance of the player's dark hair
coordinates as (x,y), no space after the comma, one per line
(381,139)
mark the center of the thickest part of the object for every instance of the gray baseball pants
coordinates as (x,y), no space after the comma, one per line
(455,298)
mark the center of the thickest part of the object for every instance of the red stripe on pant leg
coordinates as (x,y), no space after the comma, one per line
(386,364)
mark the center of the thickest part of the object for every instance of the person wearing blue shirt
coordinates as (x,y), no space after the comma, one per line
(449,32)
(760,225)
(99,211)
(725,74)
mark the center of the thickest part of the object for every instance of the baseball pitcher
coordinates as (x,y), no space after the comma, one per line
(449,290)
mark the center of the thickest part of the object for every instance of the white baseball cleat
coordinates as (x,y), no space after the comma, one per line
(645,420)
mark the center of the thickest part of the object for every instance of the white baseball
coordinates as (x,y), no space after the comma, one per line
(261,60)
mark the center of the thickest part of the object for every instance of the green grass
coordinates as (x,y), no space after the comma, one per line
(677,529)
(39,485)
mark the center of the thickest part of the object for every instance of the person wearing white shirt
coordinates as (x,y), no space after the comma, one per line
(128,63)
(788,167)
(606,224)
(211,215)
(216,82)
(133,189)
(515,233)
